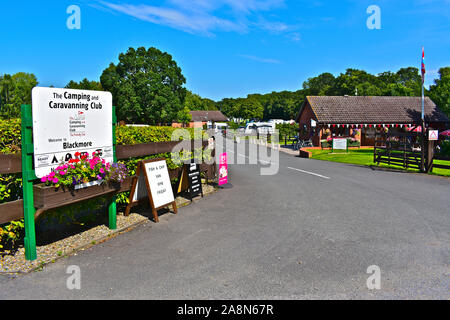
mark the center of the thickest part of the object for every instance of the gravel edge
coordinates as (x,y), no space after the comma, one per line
(14,265)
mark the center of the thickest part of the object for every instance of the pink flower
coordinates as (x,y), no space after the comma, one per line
(44,179)
(62,172)
(101,170)
(55,180)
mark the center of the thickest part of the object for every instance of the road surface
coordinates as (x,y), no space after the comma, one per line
(309,232)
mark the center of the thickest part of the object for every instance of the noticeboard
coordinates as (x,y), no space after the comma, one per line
(340,144)
(66,121)
(152,182)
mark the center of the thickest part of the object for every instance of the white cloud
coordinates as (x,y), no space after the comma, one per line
(259,59)
(203,17)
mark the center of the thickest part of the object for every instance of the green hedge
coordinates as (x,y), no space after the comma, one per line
(10,138)
(444,147)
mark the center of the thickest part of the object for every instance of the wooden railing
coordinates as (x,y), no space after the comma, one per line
(12,163)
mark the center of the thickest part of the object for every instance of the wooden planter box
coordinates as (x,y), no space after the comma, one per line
(47,197)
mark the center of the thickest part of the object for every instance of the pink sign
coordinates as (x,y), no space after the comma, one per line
(223,169)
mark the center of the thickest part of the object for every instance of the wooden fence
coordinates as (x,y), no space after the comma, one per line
(12,163)
(399,149)
(407,149)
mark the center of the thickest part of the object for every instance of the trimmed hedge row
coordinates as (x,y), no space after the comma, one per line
(10,138)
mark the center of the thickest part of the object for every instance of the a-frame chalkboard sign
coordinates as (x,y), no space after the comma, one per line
(152,182)
(192,171)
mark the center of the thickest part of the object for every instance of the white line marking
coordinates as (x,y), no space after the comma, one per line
(312,173)
(247,157)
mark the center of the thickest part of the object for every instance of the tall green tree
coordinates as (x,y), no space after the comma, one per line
(85,84)
(320,85)
(147,87)
(195,102)
(15,90)
(440,91)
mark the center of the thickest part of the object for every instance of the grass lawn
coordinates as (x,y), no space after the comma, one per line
(365,157)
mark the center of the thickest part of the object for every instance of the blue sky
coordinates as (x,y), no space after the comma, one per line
(226,48)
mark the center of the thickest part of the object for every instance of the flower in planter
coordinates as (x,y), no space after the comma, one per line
(117,172)
(84,169)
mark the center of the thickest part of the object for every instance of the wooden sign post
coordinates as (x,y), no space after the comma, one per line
(152,181)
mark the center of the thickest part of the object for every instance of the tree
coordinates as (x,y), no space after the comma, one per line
(147,87)
(440,91)
(249,108)
(85,84)
(320,85)
(195,102)
(15,90)
(410,78)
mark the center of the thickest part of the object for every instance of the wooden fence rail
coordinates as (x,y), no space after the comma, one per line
(12,163)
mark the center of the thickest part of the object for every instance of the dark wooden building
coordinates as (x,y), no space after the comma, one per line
(357,117)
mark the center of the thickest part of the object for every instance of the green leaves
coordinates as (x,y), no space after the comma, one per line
(147,87)
(15,90)
(85,84)
(440,91)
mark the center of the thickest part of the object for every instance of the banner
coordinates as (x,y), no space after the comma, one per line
(223,169)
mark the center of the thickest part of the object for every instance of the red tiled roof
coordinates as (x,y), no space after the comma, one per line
(376,109)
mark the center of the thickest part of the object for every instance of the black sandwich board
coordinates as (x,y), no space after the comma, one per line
(194,180)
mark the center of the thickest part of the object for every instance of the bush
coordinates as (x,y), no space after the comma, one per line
(10,138)
(444,148)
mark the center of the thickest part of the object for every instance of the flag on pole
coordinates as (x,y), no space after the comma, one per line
(423,65)
(423,83)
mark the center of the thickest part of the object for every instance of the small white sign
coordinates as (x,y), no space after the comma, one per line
(433,135)
(339,144)
(159,182)
(66,121)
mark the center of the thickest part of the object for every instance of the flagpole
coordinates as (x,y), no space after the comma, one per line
(423,85)
(423,112)
(423,103)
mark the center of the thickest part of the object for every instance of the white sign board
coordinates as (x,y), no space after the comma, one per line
(66,121)
(340,144)
(157,174)
(433,135)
